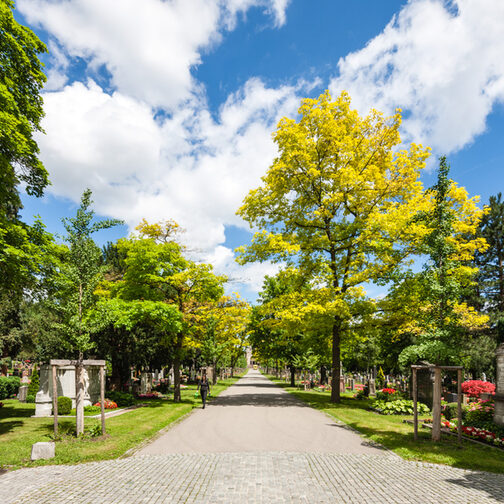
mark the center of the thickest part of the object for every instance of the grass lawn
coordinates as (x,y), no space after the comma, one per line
(18,431)
(391,432)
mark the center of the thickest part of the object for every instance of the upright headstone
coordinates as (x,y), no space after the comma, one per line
(372,387)
(425,383)
(146,383)
(499,392)
(351,384)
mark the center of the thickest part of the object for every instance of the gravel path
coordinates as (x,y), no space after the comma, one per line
(256,415)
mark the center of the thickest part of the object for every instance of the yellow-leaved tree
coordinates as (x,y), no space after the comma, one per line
(337,204)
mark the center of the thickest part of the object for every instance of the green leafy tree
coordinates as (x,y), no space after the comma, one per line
(156,270)
(336,204)
(81,273)
(21,112)
(436,310)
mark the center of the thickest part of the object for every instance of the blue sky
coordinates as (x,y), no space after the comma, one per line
(165,108)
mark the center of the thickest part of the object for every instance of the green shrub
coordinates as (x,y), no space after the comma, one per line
(34,385)
(9,386)
(121,398)
(480,414)
(92,409)
(450,411)
(64,405)
(30,398)
(399,407)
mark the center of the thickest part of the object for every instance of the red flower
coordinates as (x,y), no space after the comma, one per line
(474,388)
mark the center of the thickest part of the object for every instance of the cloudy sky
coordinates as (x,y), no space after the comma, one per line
(165,108)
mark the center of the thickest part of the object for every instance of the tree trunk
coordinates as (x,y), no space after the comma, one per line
(292,376)
(79,397)
(336,355)
(176,378)
(214,377)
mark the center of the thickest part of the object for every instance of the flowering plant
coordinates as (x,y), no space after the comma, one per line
(108,404)
(473,388)
(476,433)
(388,394)
(388,391)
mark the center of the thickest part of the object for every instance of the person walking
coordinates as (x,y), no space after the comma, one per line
(204,388)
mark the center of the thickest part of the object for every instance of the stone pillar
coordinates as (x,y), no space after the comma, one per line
(499,392)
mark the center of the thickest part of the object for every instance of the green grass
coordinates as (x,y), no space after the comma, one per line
(391,432)
(18,431)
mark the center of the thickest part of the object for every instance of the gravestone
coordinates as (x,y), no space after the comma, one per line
(372,387)
(351,384)
(65,379)
(146,383)
(499,392)
(22,393)
(342,384)
(425,386)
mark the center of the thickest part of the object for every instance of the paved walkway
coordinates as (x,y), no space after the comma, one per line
(256,415)
(348,472)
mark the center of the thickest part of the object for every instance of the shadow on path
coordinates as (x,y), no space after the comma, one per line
(263,399)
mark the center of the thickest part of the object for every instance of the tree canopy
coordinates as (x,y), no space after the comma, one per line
(336,204)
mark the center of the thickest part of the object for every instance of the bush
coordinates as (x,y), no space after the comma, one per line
(480,414)
(121,398)
(64,405)
(30,398)
(34,385)
(399,407)
(450,411)
(9,386)
(92,409)
(473,388)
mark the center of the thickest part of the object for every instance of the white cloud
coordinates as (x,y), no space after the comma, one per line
(189,167)
(250,275)
(439,61)
(149,48)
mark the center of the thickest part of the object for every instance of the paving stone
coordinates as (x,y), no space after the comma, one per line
(252,478)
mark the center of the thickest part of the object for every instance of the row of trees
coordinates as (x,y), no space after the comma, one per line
(139,302)
(341,209)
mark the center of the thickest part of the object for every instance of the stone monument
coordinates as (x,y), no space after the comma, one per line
(499,392)
(66,387)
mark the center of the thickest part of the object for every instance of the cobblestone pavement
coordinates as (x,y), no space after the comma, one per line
(252,478)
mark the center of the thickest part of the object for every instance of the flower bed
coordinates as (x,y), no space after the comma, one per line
(475,433)
(108,404)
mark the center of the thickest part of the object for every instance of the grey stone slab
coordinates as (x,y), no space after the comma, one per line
(43,450)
